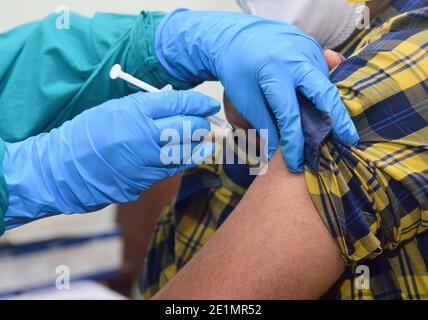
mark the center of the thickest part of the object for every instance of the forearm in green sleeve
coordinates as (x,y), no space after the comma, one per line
(49,75)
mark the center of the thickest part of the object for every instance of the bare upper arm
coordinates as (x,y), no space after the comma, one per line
(273,246)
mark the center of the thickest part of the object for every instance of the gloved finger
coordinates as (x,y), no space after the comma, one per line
(179,129)
(281,95)
(185,156)
(174,103)
(316,86)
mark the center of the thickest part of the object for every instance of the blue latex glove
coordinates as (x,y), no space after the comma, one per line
(261,63)
(107,154)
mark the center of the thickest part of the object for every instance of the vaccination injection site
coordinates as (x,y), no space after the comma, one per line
(213,155)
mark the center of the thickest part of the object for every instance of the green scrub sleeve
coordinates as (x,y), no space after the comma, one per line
(49,74)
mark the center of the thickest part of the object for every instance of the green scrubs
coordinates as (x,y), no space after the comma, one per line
(50,75)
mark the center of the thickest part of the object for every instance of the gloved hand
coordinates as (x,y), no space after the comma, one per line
(107,154)
(261,63)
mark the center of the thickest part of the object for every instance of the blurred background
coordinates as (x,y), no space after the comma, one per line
(102,253)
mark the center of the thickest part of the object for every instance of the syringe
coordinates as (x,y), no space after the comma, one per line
(222,127)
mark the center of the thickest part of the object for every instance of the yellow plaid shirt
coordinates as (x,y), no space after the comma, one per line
(372,197)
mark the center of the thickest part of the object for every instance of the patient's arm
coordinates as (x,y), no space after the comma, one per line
(273,246)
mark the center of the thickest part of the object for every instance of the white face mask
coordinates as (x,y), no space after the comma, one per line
(331,22)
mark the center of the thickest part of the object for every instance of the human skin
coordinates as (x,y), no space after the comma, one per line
(296,256)
(274,245)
